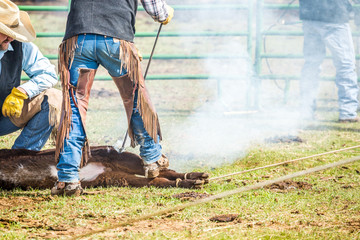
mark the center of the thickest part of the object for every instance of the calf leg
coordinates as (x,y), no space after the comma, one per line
(135,181)
(164,182)
(121,179)
(172,175)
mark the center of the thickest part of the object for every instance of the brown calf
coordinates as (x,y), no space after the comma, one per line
(30,169)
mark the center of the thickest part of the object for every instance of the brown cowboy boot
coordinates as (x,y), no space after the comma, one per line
(152,170)
(67,189)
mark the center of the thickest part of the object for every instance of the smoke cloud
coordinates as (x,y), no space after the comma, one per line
(225,127)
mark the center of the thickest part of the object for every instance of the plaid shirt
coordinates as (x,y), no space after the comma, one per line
(157,9)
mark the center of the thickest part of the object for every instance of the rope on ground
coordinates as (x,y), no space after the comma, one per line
(219,196)
(282,163)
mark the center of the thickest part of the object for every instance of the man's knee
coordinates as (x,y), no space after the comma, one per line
(54,101)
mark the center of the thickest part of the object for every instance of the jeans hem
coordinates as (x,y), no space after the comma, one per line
(68,180)
(152,159)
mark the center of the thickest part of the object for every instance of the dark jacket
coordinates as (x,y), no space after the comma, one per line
(11,67)
(111,18)
(331,11)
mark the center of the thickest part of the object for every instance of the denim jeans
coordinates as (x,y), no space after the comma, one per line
(92,51)
(35,133)
(337,38)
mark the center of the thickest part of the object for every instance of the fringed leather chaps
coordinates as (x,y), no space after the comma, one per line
(82,95)
(66,56)
(125,86)
(147,111)
(85,82)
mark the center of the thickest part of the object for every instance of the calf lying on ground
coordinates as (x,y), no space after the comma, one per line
(106,167)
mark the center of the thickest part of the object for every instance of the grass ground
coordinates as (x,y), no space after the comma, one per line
(328,208)
(323,205)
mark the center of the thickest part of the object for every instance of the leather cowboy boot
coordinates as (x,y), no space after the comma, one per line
(67,189)
(152,170)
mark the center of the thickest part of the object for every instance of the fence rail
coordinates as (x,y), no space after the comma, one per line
(212,7)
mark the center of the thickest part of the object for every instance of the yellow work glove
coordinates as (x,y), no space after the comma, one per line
(170,15)
(14,103)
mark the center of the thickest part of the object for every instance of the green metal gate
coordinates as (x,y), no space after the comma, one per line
(258,52)
(260,55)
(247,7)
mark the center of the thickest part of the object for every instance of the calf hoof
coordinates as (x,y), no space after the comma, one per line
(188,183)
(197,176)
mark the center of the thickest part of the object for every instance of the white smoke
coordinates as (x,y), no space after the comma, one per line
(223,129)
(91,171)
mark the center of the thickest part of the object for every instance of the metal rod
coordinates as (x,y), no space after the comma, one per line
(44,8)
(124,142)
(152,51)
(249,27)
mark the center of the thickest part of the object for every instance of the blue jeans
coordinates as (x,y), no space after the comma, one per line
(35,133)
(92,51)
(337,37)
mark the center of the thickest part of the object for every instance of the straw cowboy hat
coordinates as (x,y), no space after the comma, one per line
(15,23)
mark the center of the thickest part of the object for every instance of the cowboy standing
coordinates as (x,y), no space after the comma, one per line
(102,33)
(33,106)
(326,24)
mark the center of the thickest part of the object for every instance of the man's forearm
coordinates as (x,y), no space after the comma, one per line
(157,9)
(41,72)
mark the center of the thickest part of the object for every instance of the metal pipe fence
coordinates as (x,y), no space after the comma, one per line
(259,53)
(261,34)
(248,8)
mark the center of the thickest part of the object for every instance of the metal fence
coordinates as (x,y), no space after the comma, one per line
(257,51)
(248,8)
(261,8)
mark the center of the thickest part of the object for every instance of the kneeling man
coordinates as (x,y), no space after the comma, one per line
(33,106)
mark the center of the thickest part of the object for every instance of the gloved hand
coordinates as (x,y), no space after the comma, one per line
(170,15)
(14,103)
